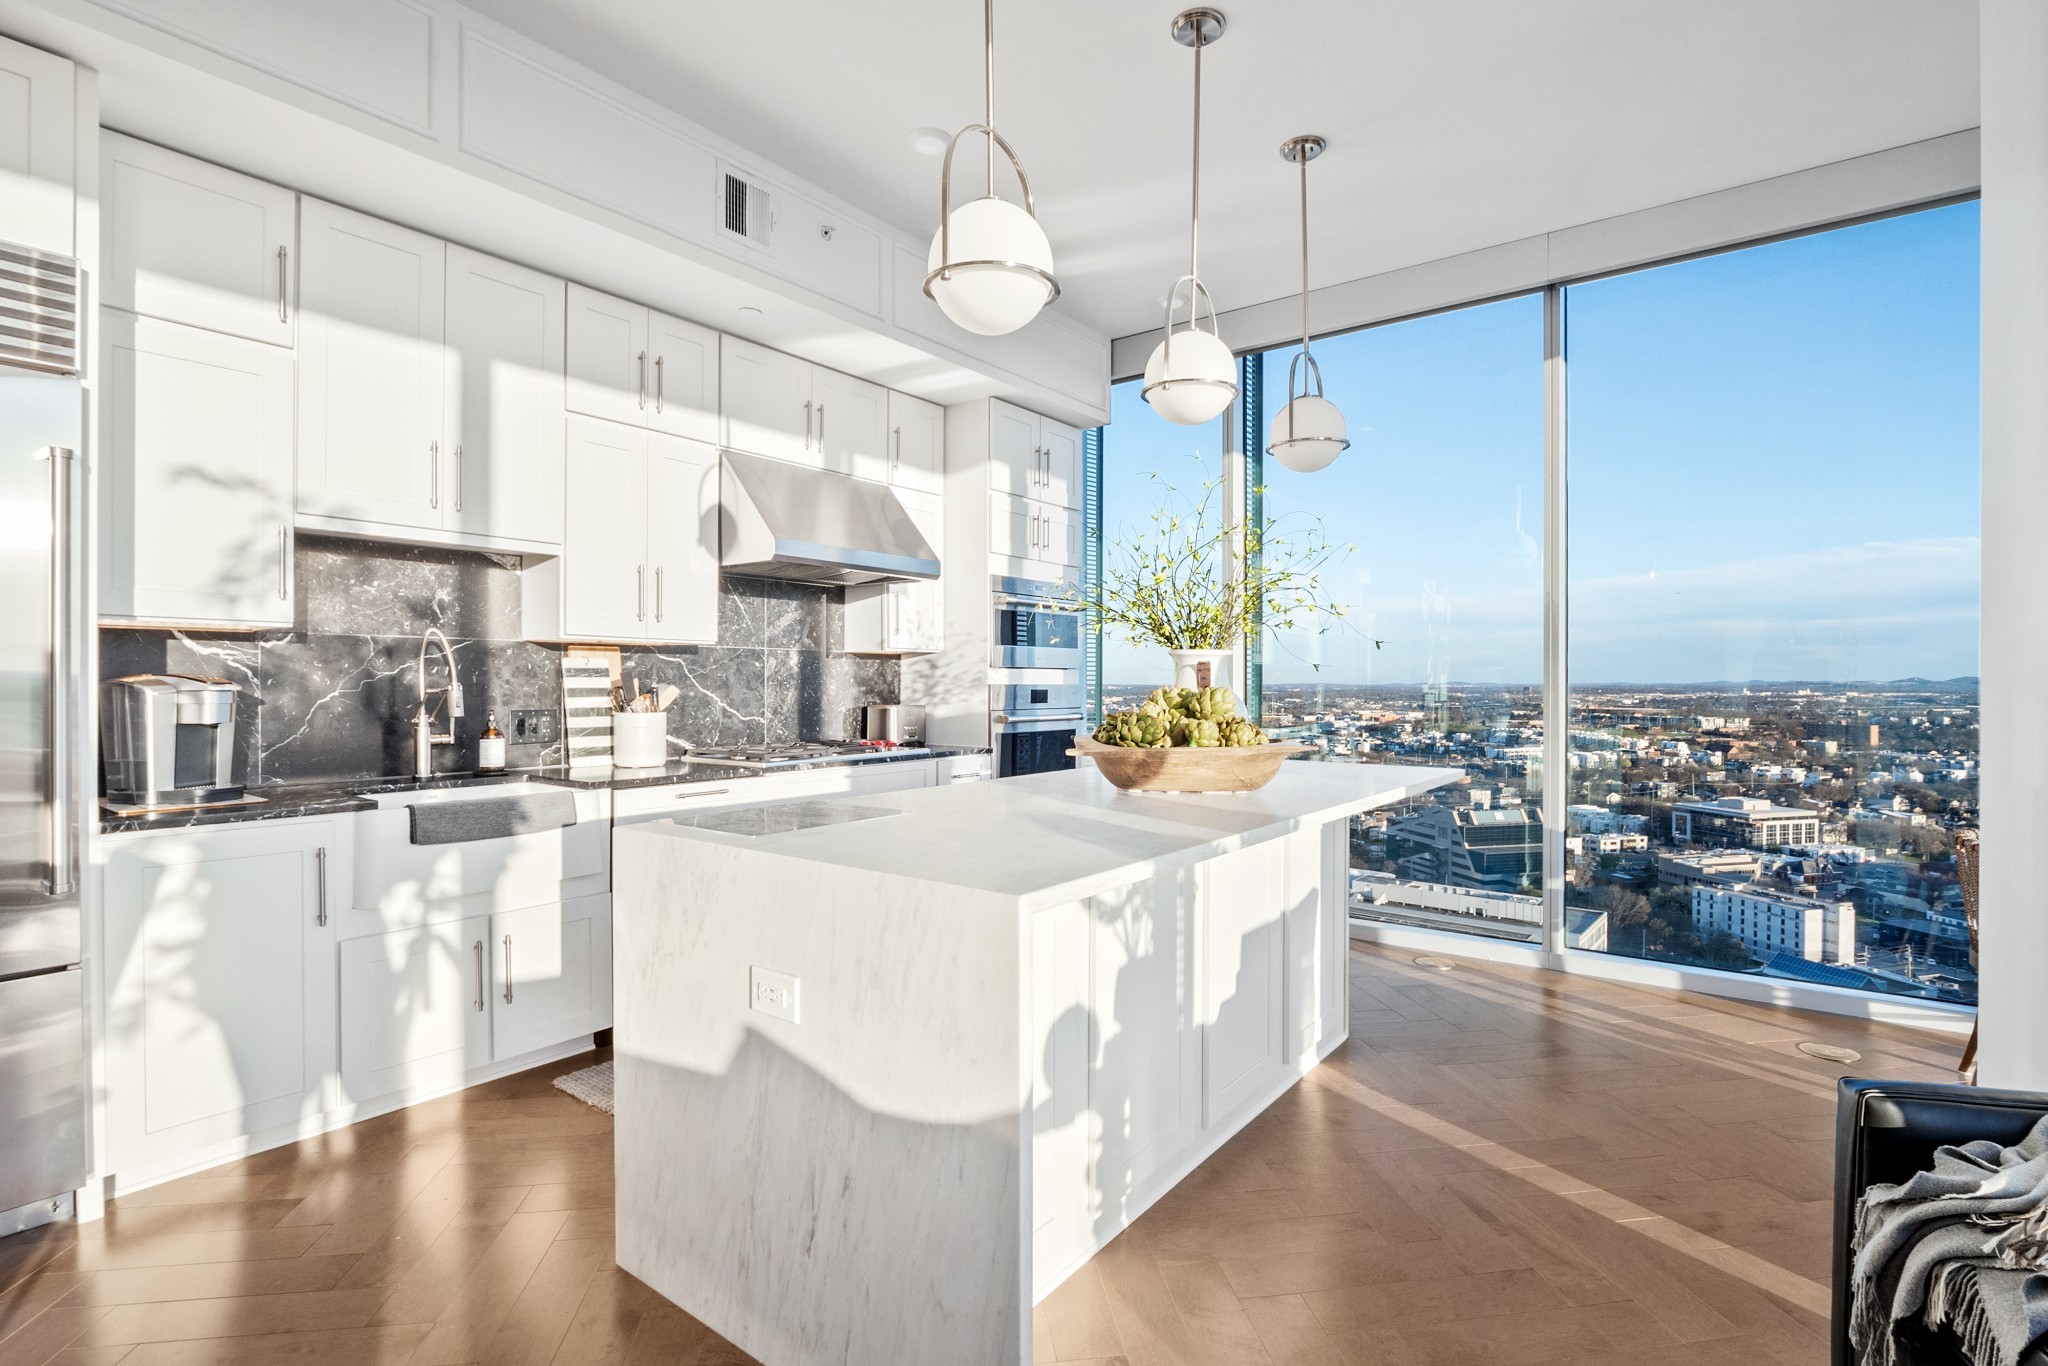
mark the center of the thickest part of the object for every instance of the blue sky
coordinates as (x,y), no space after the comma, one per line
(1773,466)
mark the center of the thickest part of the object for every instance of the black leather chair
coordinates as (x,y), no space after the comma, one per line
(1887,1130)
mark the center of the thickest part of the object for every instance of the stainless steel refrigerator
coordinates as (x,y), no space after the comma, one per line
(42,999)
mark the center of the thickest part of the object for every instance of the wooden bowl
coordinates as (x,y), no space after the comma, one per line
(1185,768)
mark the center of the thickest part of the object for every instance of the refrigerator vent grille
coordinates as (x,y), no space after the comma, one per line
(38,311)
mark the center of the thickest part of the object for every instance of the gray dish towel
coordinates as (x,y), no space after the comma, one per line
(491,818)
(1963,1245)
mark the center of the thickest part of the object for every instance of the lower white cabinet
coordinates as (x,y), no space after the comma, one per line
(415,1008)
(552,969)
(218,984)
(424,1006)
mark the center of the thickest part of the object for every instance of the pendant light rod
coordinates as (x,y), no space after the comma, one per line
(1301,151)
(988,86)
(1197,28)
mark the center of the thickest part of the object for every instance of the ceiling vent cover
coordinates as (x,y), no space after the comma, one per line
(747,211)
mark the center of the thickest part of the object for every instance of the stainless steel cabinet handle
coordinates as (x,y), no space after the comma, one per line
(458,476)
(479,947)
(657,592)
(433,474)
(709,792)
(508,969)
(807,424)
(320,884)
(640,592)
(63,876)
(284,562)
(643,379)
(283,308)
(660,382)
(821,429)
(896,456)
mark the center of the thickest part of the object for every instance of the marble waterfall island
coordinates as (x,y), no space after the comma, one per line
(891,1067)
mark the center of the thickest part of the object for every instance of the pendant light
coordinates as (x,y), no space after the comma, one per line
(990,262)
(1308,433)
(1192,376)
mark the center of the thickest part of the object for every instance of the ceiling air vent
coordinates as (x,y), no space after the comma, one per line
(748,212)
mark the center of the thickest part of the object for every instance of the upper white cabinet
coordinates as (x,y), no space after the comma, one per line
(504,359)
(639,557)
(902,618)
(1041,533)
(38,157)
(371,381)
(1032,456)
(765,402)
(777,405)
(195,476)
(917,444)
(628,363)
(219,989)
(189,242)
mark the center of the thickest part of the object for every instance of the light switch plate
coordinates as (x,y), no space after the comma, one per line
(774,993)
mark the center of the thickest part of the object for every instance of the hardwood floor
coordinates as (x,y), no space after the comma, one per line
(1501,1167)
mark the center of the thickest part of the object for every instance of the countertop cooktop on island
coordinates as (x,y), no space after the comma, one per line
(284,801)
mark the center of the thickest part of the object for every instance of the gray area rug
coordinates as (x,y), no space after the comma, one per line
(591,1085)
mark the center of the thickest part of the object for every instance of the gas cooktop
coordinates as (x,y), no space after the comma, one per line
(799,752)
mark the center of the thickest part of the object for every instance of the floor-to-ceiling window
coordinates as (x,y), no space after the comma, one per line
(1773,550)
(1434,652)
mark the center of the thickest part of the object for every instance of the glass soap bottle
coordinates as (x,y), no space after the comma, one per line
(490,746)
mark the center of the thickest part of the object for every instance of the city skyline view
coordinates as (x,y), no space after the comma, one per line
(1772,476)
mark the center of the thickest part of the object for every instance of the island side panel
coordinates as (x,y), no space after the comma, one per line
(849,1188)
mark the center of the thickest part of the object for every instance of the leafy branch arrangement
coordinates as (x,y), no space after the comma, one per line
(1169,585)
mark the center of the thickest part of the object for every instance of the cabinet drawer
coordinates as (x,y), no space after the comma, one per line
(654,803)
(397,878)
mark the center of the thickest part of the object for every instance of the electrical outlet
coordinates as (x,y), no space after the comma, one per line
(774,993)
(535,727)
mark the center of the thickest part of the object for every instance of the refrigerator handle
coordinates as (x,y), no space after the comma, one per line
(63,878)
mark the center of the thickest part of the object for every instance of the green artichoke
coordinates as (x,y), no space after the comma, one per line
(1239,731)
(1174,700)
(1197,733)
(1133,730)
(1211,704)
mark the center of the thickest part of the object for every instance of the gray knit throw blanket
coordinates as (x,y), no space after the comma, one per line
(1963,1246)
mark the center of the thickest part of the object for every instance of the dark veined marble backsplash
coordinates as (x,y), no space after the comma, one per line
(334,697)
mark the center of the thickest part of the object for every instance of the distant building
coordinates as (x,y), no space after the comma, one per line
(1711,870)
(1744,822)
(1770,923)
(1495,851)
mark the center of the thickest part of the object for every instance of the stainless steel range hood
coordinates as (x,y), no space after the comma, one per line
(782,521)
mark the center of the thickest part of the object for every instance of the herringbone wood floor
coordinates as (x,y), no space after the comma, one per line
(1501,1167)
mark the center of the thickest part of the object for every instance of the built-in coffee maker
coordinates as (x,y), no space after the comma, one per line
(168,740)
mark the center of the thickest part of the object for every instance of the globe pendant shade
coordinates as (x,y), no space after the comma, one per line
(1314,438)
(1001,269)
(1191,378)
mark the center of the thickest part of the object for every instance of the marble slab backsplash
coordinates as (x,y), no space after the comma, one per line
(333,698)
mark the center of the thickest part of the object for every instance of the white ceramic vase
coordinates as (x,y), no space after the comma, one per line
(1200,668)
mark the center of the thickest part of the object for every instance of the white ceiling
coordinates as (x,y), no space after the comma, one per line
(1453,124)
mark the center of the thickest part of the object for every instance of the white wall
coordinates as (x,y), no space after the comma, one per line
(2013,1014)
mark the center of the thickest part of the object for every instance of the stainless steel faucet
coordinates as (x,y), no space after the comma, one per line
(424,737)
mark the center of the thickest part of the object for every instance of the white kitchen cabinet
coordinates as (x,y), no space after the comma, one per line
(682,539)
(38,158)
(917,444)
(190,242)
(628,363)
(503,473)
(218,988)
(1032,456)
(415,1008)
(639,557)
(551,974)
(902,618)
(371,382)
(1042,534)
(777,405)
(765,402)
(1243,962)
(853,423)
(195,476)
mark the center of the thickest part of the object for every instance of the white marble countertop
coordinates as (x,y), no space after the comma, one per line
(1052,838)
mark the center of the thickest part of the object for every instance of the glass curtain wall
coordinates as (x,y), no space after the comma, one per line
(1431,651)
(1773,465)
